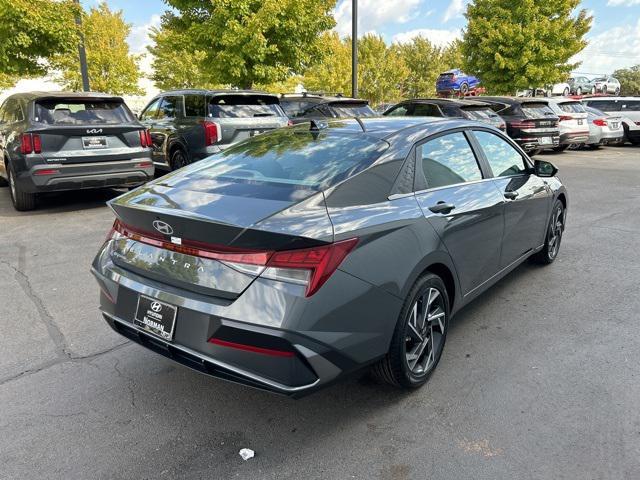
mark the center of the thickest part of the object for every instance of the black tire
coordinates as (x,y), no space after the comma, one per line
(565,92)
(22,201)
(593,90)
(560,148)
(178,159)
(395,368)
(604,89)
(464,89)
(579,91)
(555,229)
(594,146)
(617,91)
(3,182)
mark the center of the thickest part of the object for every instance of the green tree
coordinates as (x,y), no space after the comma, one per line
(425,62)
(381,70)
(518,44)
(31,32)
(112,68)
(247,42)
(629,80)
(176,64)
(332,74)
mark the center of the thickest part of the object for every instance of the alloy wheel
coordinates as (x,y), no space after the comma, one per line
(12,184)
(178,160)
(555,232)
(425,332)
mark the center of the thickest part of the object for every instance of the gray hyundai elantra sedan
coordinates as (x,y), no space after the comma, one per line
(302,255)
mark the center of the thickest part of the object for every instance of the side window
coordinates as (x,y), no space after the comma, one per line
(426,110)
(502,157)
(194,106)
(449,160)
(399,111)
(170,107)
(151,111)
(633,106)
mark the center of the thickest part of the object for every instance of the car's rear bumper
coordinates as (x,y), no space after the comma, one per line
(530,142)
(571,138)
(59,177)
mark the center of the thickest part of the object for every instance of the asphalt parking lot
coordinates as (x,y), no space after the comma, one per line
(539,378)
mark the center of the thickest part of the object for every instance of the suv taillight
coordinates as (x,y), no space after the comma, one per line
(212,132)
(145,138)
(524,124)
(30,143)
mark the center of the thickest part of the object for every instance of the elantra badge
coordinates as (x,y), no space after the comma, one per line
(163,227)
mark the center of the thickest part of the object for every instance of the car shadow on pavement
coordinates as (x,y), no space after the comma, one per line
(60,202)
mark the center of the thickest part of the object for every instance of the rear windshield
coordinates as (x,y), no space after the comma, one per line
(605,105)
(241,106)
(293,158)
(595,111)
(537,110)
(296,108)
(447,75)
(480,113)
(349,110)
(82,112)
(572,107)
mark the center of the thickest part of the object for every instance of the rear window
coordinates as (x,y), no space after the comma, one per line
(293,158)
(572,107)
(480,113)
(633,106)
(82,112)
(244,106)
(349,110)
(605,105)
(296,108)
(537,110)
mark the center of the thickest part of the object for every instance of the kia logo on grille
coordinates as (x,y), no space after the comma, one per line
(94,130)
(163,227)
(156,306)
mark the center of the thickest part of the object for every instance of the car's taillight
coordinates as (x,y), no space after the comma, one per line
(212,132)
(145,138)
(310,266)
(524,124)
(26,143)
(37,143)
(600,122)
(564,118)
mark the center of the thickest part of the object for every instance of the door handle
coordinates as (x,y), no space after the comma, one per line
(442,207)
(511,195)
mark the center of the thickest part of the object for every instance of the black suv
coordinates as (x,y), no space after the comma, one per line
(530,121)
(189,125)
(52,141)
(306,106)
(442,107)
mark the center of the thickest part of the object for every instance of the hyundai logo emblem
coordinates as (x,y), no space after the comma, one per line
(163,227)
(156,306)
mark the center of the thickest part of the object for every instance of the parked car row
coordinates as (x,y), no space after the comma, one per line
(67,141)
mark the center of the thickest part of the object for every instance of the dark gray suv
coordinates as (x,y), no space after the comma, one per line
(296,257)
(189,125)
(53,141)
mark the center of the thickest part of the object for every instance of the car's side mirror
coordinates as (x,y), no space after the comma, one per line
(545,169)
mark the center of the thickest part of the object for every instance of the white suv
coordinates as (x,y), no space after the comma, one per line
(607,84)
(574,126)
(626,107)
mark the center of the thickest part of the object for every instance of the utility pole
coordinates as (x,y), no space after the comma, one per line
(354,48)
(81,51)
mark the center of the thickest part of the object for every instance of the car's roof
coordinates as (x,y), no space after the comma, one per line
(447,101)
(609,98)
(204,91)
(386,127)
(562,100)
(514,100)
(34,95)
(320,98)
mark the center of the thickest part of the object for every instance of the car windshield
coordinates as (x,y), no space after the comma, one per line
(243,106)
(294,158)
(480,113)
(572,107)
(61,111)
(349,110)
(537,110)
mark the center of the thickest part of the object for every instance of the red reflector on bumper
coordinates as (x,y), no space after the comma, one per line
(46,171)
(251,348)
(144,165)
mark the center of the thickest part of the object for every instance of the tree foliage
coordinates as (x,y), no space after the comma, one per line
(247,42)
(112,68)
(381,70)
(517,44)
(31,32)
(176,64)
(425,62)
(629,80)
(332,74)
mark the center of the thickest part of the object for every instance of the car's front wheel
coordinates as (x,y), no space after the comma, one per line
(178,159)
(555,229)
(22,201)
(419,337)
(579,91)
(464,89)
(565,92)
